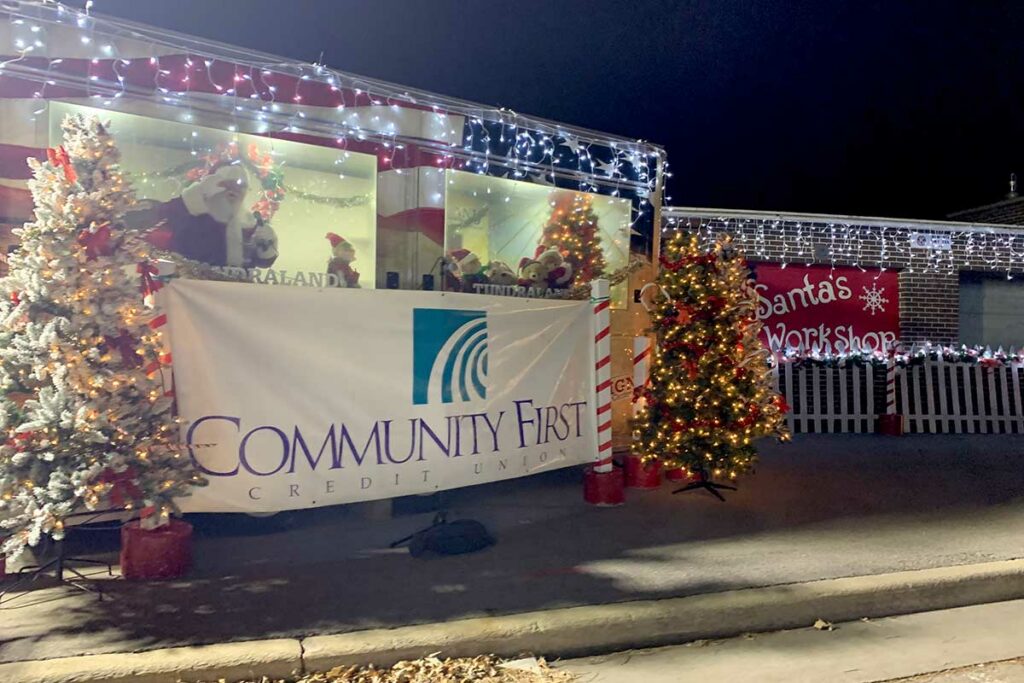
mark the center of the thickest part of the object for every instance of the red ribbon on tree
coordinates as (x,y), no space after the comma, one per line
(58,156)
(125,345)
(122,485)
(20,440)
(96,241)
(148,272)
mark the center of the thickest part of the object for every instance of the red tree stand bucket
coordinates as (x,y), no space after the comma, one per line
(161,553)
(604,488)
(679,474)
(639,476)
(890,425)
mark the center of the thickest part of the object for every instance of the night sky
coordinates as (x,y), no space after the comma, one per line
(910,109)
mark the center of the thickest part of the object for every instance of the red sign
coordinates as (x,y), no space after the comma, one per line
(837,309)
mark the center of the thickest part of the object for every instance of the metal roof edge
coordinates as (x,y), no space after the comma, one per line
(46,10)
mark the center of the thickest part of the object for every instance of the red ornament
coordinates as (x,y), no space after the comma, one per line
(684,314)
(96,241)
(15,298)
(58,157)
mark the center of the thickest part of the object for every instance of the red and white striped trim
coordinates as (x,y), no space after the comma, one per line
(600,298)
(890,381)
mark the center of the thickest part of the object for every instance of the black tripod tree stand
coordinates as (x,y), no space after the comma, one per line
(59,567)
(706,484)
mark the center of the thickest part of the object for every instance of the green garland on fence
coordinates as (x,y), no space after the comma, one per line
(970,355)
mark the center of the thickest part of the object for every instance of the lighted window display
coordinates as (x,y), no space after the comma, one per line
(294,213)
(501,234)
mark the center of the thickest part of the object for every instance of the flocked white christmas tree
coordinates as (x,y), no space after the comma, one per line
(86,420)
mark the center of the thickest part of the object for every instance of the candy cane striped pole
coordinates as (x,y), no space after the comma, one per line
(600,299)
(641,370)
(891,422)
(890,381)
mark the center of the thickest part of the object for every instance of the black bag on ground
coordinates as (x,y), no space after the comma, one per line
(451,538)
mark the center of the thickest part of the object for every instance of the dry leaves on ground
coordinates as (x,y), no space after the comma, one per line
(482,669)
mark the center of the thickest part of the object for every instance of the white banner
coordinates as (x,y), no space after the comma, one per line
(294,397)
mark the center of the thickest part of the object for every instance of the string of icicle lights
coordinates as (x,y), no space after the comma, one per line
(908,248)
(64,52)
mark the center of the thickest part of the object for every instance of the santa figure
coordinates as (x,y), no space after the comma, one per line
(208,223)
(340,265)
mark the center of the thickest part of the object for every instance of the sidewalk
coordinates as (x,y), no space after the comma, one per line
(824,507)
(969,644)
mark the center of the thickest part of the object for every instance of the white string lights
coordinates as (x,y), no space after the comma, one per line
(925,247)
(205,83)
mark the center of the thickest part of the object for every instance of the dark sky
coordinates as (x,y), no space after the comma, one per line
(894,108)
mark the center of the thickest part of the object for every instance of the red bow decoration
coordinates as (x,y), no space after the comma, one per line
(684,314)
(58,156)
(125,344)
(20,440)
(149,271)
(122,485)
(96,241)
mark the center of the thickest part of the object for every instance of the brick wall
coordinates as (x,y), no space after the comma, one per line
(929,280)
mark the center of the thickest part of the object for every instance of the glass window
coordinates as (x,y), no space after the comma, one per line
(501,232)
(295,213)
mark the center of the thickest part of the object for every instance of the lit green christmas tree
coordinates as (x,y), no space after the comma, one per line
(710,395)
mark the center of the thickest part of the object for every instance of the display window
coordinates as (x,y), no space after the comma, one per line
(268,210)
(510,237)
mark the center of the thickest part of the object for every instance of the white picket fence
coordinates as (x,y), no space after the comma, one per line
(934,398)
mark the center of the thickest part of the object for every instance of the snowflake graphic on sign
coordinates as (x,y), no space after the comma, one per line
(873,299)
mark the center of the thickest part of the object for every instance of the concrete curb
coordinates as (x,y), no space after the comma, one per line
(579,631)
(567,632)
(231,661)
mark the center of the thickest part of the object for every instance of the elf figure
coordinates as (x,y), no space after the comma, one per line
(470,270)
(343,254)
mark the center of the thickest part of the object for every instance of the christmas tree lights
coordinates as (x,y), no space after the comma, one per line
(710,394)
(87,421)
(572,229)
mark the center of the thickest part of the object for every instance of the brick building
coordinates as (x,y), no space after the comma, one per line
(1007,211)
(958,281)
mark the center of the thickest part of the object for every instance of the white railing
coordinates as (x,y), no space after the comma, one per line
(934,397)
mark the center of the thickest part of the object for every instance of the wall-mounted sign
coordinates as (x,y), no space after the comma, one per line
(841,308)
(924,240)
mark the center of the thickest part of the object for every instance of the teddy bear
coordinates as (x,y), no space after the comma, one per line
(559,270)
(261,248)
(500,273)
(340,264)
(533,274)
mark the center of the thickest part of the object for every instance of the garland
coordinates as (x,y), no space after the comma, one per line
(467,218)
(190,168)
(582,291)
(929,353)
(270,175)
